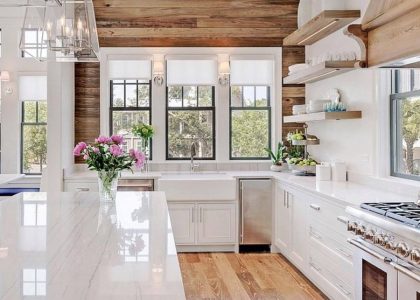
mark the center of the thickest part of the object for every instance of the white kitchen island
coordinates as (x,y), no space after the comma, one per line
(72,246)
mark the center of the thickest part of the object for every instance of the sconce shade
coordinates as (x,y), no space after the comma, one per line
(158,67)
(4,76)
(224,68)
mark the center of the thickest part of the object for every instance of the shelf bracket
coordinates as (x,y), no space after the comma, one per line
(356,32)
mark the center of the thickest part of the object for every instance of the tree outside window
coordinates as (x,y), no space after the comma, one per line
(34,136)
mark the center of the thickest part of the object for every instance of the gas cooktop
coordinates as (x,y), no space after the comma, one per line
(405,212)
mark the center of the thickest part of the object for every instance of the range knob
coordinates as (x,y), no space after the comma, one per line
(379,239)
(352,226)
(369,235)
(390,244)
(402,249)
(415,255)
(360,230)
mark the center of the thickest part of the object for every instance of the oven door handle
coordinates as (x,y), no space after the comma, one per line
(370,251)
(405,271)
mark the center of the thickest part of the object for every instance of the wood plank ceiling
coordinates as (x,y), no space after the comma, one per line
(194,23)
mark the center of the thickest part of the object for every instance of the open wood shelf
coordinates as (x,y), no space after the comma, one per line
(321,116)
(321,26)
(321,71)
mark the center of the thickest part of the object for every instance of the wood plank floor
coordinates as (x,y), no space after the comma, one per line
(243,276)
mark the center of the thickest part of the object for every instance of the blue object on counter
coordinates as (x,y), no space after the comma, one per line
(14,191)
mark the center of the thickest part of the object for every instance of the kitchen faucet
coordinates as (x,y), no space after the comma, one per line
(194,165)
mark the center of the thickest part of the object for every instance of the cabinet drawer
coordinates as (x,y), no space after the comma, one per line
(329,214)
(330,261)
(334,241)
(328,279)
(81,187)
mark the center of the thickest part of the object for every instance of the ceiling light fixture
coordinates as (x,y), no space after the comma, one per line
(68,30)
(28,3)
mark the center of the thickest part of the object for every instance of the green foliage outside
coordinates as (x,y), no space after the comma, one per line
(410,131)
(34,137)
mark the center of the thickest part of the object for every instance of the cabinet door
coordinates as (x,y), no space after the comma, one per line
(183,216)
(216,223)
(299,240)
(282,221)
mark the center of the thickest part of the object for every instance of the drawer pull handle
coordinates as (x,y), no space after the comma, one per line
(315,235)
(341,288)
(315,207)
(343,252)
(315,267)
(82,189)
(343,219)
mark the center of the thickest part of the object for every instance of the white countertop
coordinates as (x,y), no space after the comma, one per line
(347,193)
(71,246)
(6,178)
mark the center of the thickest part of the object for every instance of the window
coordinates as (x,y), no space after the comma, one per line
(190,119)
(250,119)
(34,136)
(130,104)
(405,124)
(32,44)
(34,282)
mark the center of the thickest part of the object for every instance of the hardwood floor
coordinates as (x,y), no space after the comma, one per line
(243,276)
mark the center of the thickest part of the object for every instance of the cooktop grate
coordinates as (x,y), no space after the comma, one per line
(405,212)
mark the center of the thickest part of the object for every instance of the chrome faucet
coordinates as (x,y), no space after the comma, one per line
(194,166)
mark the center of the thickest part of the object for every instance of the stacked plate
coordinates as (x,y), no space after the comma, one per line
(315,106)
(299,109)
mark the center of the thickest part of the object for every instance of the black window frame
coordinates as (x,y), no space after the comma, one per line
(211,108)
(130,108)
(253,108)
(394,98)
(23,124)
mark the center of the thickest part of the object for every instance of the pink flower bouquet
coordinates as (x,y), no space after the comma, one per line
(107,157)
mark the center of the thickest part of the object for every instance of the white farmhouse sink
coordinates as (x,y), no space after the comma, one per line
(198,186)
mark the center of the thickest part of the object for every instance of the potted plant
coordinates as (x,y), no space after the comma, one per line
(145,132)
(278,157)
(107,157)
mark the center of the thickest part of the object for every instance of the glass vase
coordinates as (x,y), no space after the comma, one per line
(145,148)
(108,182)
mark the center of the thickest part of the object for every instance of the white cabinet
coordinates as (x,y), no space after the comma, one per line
(216,223)
(182,220)
(282,220)
(298,243)
(196,223)
(290,225)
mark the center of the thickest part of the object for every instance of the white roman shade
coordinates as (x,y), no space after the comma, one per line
(251,72)
(191,72)
(130,69)
(33,88)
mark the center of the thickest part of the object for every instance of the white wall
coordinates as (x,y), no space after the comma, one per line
(222,96)
(11,21)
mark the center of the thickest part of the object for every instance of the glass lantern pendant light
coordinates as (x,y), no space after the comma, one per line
(68,31)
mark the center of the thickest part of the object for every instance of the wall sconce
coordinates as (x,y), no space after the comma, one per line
(5,77)
(158,71)
(224,73)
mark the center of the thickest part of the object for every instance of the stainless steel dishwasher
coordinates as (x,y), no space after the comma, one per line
(255,211)
(138,185)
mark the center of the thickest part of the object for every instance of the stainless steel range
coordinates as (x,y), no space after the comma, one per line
(387,243)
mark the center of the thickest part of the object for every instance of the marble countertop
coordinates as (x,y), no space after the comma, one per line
(6,178)
(71,246)
(347,193)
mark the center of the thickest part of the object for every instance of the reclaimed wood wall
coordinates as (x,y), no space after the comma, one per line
(87,103)
(187,23)
(293,94)
(194,23)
